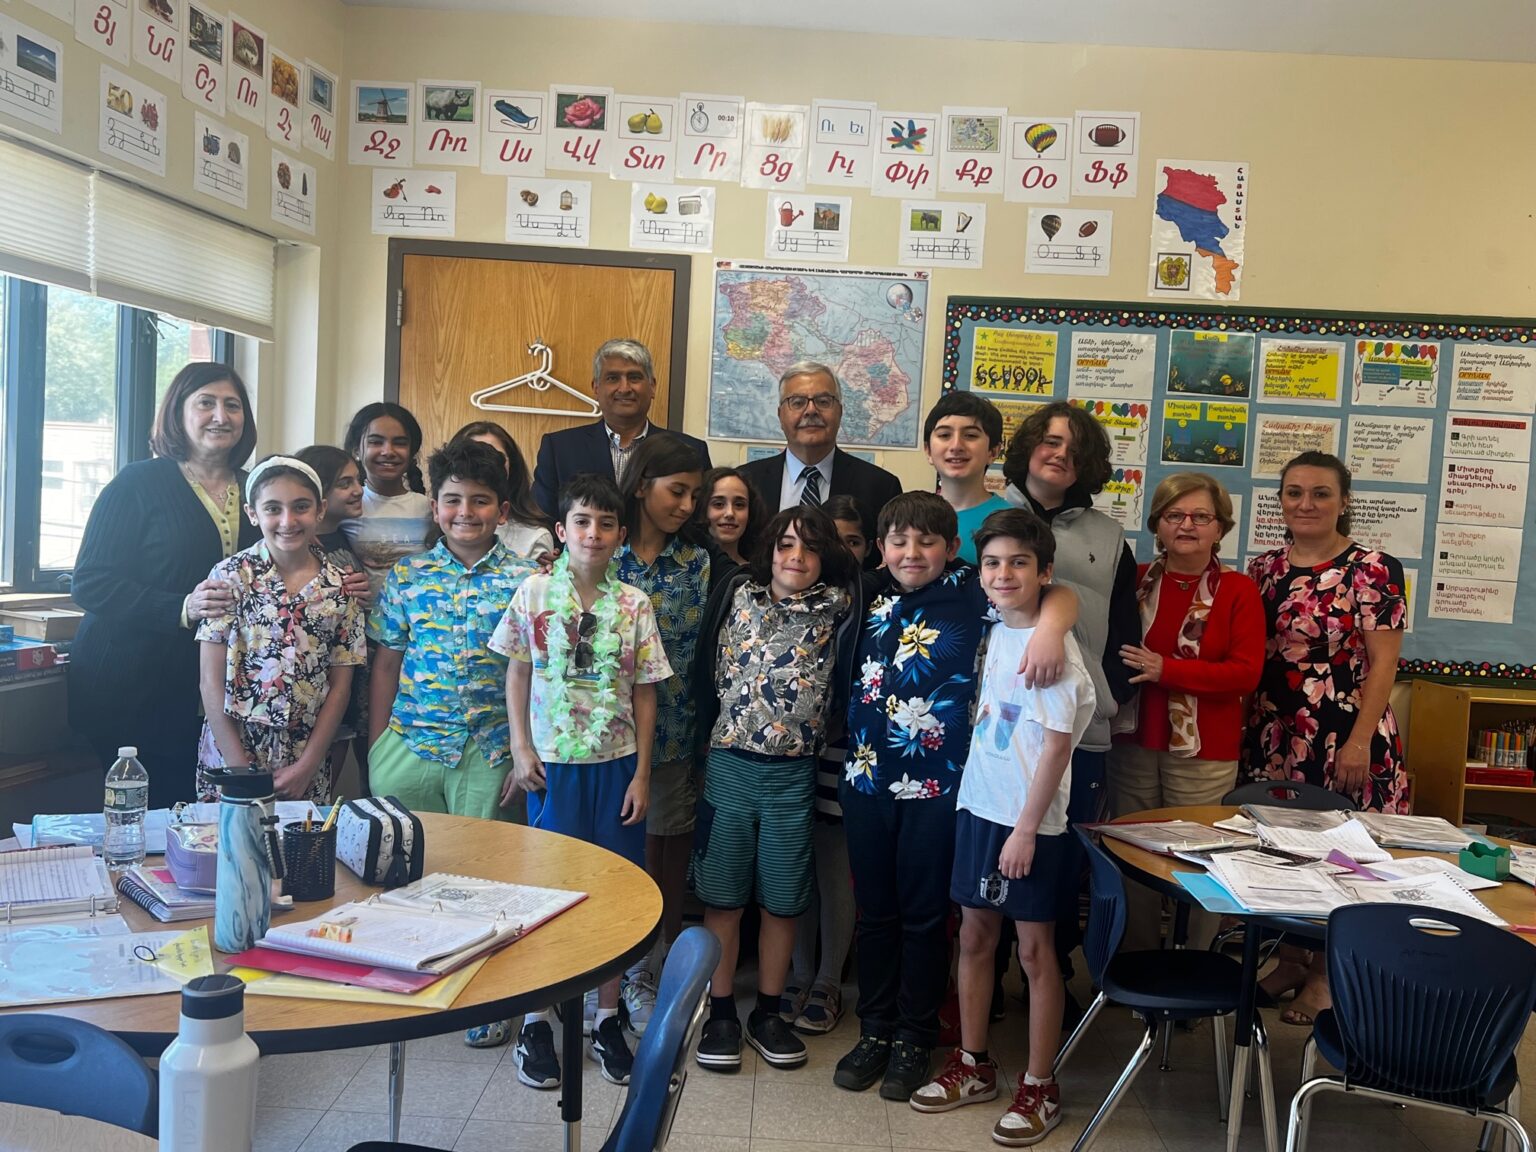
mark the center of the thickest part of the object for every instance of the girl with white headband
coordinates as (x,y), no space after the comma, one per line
(276,667)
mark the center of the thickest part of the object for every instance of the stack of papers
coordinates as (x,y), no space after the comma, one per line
(1314,834)
(1169,837)
(1426,833)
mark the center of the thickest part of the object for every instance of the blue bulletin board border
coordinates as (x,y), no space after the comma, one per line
(963,312)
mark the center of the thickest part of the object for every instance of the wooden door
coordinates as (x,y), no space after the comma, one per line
(462,317)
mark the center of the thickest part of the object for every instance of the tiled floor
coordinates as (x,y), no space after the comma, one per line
(459,1098)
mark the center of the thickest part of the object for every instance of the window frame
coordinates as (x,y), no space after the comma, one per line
(25,318)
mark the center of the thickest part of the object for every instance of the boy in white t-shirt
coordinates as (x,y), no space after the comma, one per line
(1011,833)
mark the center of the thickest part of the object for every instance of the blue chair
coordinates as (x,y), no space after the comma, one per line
(661,1061)
(1291,794)
(77,1069)
(1428,1009)
(1161,986)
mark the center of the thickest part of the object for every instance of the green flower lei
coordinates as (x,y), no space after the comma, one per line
(574,741)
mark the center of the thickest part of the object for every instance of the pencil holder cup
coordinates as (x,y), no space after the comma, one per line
(310,861)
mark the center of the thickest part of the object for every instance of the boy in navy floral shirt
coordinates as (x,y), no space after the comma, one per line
(913,685)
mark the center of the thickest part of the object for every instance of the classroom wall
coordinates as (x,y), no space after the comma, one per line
(1384,185)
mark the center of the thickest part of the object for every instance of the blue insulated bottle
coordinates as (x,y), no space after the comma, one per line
(242,907)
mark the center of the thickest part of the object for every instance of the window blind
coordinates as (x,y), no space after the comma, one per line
(65,224)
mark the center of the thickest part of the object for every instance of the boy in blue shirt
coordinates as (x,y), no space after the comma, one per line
(1011,833)
(963,435)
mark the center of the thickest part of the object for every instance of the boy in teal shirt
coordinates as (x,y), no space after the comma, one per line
(962,436)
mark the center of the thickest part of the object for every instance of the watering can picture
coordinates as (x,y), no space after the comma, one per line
(788,215)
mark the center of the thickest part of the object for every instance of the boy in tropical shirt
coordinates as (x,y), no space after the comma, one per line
(913,684)
(963,435)
(585,659)
(1011,833)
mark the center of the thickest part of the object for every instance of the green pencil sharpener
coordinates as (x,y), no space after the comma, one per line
(1489,861)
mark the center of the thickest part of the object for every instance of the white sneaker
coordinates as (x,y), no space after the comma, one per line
(637,998)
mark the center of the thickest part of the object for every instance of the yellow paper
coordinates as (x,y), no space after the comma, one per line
(187,956)
(440,994)
(1016,360)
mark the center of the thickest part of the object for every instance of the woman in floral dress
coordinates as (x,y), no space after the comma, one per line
(1335,612)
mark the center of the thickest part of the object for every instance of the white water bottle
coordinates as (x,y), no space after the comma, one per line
(208,1074)
(127,799)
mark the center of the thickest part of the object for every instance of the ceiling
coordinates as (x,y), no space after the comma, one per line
(1503,30)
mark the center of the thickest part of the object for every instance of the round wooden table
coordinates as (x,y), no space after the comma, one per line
(1512,901)
(593,942)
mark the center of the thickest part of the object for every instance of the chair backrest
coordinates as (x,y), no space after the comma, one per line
(661,1061)
(1291,794)
(1435,1014)
(1106,908)
(78,1069)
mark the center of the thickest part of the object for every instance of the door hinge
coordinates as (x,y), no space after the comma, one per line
(399,307)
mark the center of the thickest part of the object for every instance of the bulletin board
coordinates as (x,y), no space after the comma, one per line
(1432,414)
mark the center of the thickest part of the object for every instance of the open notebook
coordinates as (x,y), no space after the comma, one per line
(69,880)
(1314,834)
(434,925)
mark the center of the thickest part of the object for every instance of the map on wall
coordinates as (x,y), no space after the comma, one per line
(866,325)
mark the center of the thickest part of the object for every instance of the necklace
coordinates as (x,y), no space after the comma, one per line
(570,739)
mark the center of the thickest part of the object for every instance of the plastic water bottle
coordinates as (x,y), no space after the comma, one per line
(208,1074)
(126,802)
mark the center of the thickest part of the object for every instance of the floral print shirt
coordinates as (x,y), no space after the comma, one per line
(282,644)
(909,721)
(453,685)
(677,582)
(774,670)
(1315,668)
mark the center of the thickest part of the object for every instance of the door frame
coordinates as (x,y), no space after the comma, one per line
(680,266)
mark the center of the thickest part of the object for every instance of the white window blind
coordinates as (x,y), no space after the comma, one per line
(45,227)
(64,224)
(155,254)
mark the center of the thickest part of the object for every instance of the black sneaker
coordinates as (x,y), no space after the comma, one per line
(864,1065)
(537,1064)
(720,1045)
(774,1040)
(608,1047)
(907,1072)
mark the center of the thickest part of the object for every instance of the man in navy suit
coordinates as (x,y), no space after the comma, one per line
(814,468)
(624,383)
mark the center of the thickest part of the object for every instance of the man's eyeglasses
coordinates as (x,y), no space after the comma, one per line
(1198,519)
(586,628)
(824,402)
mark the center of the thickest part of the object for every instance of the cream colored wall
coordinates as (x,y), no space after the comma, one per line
(1382,185)
(287,372)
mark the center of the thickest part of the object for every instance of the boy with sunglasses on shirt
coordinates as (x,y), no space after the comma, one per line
(585,659)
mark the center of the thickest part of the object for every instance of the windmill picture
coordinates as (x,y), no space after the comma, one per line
(378,105)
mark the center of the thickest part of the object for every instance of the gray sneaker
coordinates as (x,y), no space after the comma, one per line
(637,999)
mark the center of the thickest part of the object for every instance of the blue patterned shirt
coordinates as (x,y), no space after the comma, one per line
(453,687)
(677,582)
(915,672)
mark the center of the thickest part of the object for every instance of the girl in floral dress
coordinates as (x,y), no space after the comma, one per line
(277,668)
(1335,612)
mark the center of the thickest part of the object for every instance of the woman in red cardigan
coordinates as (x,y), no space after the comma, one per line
(1202,653)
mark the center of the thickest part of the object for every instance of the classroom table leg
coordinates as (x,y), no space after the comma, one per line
(1243,1037)
(570,1072)
(396,1087)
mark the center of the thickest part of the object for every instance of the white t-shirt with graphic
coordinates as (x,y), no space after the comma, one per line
(1011,722)
(390,529)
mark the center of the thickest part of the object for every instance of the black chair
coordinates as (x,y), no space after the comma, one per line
(661,1061)
(1291,794)
(76,1069)
(1163,987)
(1428,1009)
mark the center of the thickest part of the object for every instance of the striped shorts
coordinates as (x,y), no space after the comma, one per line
(752,841)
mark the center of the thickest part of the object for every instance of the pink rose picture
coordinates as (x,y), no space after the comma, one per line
(583,111)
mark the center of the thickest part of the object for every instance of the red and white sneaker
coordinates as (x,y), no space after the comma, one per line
(963,1081)
(1035,1110)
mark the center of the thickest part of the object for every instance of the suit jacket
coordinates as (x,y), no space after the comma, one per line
(867,483)
(571,451)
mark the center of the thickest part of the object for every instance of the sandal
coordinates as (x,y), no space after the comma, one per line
(492,1035)
(791,1003)
(823,1009)
(1304,1010)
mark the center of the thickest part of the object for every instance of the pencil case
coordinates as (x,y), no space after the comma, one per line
(381,840)
(192,855)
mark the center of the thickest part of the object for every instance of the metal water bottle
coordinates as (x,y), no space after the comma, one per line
(208,1074)
(248,857)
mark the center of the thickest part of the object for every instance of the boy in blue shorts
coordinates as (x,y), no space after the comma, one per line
(1011,833)
(585,659)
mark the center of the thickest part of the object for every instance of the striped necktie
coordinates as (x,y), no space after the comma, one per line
(811,494)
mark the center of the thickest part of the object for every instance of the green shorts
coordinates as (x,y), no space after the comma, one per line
(469,788)
(674,801)
(753,838)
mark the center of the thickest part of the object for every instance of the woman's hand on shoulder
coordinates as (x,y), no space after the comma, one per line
(209,599)
(355,585)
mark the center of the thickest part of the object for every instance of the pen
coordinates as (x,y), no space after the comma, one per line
(331,819)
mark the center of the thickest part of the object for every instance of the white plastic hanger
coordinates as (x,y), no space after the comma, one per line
(540,380)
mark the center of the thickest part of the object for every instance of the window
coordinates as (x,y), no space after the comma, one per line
(103,368)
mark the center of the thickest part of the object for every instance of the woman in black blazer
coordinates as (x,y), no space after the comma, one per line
(142,578)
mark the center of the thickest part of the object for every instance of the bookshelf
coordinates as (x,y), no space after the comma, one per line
(1444,717)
